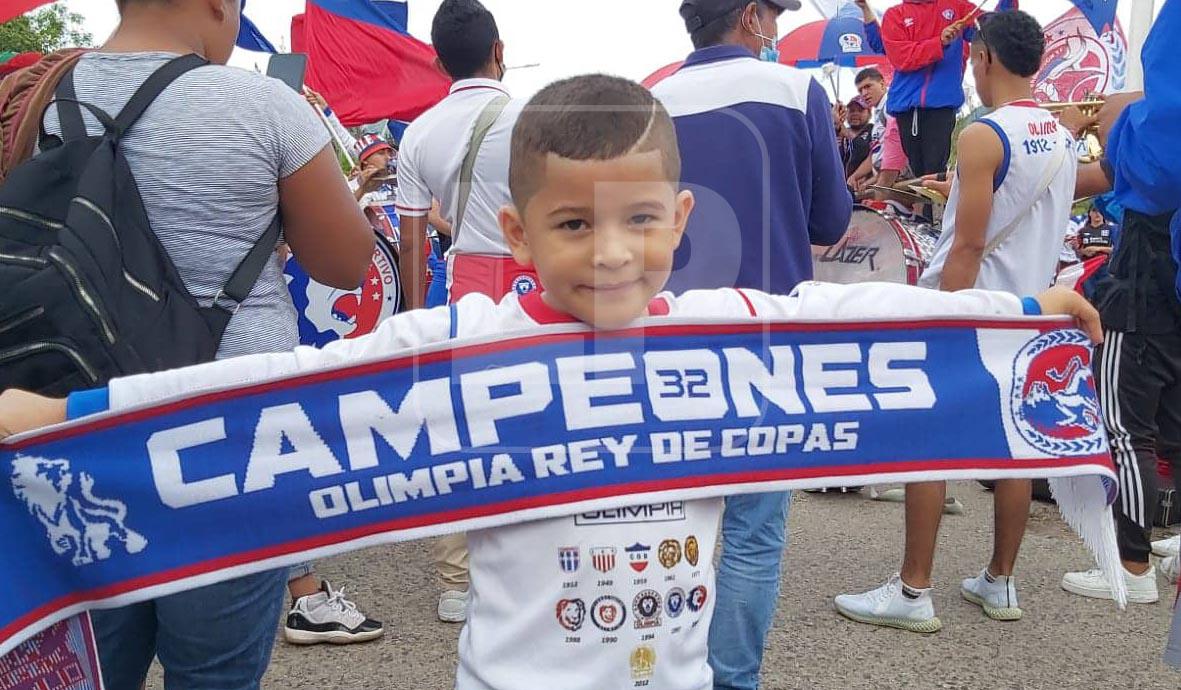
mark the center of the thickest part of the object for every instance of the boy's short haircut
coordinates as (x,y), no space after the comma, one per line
(869,73)
(1015,38)
(591,117)
(463,33)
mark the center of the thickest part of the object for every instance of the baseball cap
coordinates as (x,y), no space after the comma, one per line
(370,144)
(698,13)
(859,102)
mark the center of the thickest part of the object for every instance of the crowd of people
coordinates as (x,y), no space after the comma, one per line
(507,217)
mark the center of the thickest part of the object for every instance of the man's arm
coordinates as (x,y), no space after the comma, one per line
(317,101)
(1092,181)
(412,259)
(981,154)
(863,172)
(435,218)
(906,52)
(832,206)
(873,32)
(1143,146)
(414,204)
(831,302)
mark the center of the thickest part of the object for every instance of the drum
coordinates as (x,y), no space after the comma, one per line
(327,314)
(878,246)
(384,218)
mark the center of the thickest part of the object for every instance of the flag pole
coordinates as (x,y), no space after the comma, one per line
(348,155)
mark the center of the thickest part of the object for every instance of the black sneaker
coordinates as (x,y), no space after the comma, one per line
(327,616)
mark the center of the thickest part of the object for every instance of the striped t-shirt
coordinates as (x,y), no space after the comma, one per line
(207,157)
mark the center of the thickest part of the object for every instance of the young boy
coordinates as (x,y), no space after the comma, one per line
(596,209)
(1003,230)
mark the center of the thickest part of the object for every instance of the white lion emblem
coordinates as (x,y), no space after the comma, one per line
(79,524)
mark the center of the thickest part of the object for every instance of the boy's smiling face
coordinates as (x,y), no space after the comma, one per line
(601,234)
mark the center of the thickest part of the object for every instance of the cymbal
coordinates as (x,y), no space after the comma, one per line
(903,194)
(930,194)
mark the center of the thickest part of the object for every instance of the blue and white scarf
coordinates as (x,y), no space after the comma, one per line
(134,504)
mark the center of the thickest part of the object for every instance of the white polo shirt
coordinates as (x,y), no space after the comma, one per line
(432,153)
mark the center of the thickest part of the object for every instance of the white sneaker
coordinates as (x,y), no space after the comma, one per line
(1091,583)
(327,616)
(1171,569)
(1167,547)
(998,596)
(453,606)
(888,606)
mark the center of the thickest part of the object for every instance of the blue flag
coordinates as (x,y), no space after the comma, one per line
(1100,13)
(250,38)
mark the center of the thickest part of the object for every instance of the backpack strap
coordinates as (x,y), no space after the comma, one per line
(154,85)
(1052,170)
(69,108)
(69,112)
(484,122)
(242,280)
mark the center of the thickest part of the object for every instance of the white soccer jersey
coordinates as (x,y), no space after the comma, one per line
(1025,262)
(610,600)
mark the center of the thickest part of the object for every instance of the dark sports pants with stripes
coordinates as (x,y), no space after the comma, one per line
(1139,386)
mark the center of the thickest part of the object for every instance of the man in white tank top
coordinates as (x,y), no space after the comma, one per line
(1003,230)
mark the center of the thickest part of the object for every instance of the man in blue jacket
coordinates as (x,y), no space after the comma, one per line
(1138,367)
(759,152)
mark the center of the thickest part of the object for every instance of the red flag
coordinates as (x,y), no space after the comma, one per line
(367,69)
(10,9)
(299,43)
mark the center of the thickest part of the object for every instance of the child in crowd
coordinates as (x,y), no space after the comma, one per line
(597,211)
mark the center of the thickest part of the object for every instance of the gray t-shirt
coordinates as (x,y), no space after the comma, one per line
(207,157)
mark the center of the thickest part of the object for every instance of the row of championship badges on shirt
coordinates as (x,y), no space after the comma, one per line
(604,558)
(608,612)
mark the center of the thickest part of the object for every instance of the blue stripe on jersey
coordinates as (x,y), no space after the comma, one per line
(454,322)
(1002,171)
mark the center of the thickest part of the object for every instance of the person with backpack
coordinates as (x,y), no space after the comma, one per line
(162,174)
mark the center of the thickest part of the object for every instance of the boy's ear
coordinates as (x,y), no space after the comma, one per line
(439,66)
(684,207)
(513,227)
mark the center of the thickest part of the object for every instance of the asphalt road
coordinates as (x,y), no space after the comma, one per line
(839,543)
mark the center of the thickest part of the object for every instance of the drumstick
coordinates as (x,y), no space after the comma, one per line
(971,16)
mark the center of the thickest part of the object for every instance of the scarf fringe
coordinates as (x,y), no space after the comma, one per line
(1097,528)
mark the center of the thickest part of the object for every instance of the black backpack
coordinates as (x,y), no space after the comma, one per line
(87,292)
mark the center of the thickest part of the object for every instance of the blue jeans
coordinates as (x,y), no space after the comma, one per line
(754,530)
(216,637)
